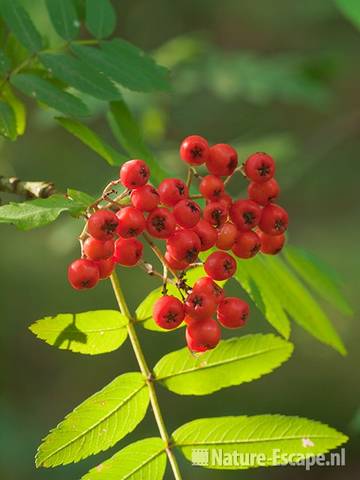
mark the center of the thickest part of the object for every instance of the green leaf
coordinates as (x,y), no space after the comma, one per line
(145,459)
(85,78)
(39,212)
(7,121)
(92,140)
(350,9)
(18,108)
(19,22)
(254,437)
(126,64)
(100,18)
(80,197)
(91,333)
(64,18)
(319,277)
(232,362)
(5,63)
(128,134)
(98,423)
(49,94)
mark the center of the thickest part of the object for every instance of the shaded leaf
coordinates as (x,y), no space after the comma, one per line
(7,121)
(98,423)
(5,63)
(350,9)
(232,362)
(91,333)
(100,18)
(64,18)
(259,436)
(145,459)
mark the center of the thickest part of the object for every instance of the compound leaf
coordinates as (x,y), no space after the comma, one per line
(100,18)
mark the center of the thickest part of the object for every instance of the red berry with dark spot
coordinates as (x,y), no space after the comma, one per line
(222,160)
(187,213)
(212,187)
(247,244)
(161,223)
(175,264)
(145,198)
(271,244)
(83,273)
(233,312)
(209,287)
(168,312)
(102,224)
(128,251)
(194,150)
(226,236)
(216,213)
(202,336)
(131,222)
(274,220)
(199,305)
(259,167)
(220,265)
(134,173)
(105,267)
(95,249)
(172,190)
(207,234)
(245,214)
(264,193)
(184,245)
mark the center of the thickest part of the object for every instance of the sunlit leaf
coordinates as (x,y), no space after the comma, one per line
(7,121)
(350,9)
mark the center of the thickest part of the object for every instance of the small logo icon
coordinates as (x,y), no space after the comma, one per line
(200,457)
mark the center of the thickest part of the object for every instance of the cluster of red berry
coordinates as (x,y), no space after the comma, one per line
(244,226)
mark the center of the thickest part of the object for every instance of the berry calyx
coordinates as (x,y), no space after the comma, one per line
(271,244)
(233,312)
(226,236)
(194,150)
(184,245)
(131,222)
(128,251)
(187,213)
(203,335)
(259,167)
(274,220)
(247,244)
(216,213)
(161,223)
(220,265)
(172,190)
(95,249)
(145,198)
(83,273)
(207,286)
(199,305)
(168,312)
(212,187)
(102,224)
(134,173)
(206,233)
(264,193)
(245,214)
(222,160)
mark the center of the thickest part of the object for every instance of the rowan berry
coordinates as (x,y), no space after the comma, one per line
(264,193)
(222,160)
(175,264)
(168,312)
(212,187)
(128,251)
(187,213)
(227,199)
(199,305)
(245,214)
(194,150)
(216,213)
(145,198)
(274,219)
(83,273)
(203,335)
(247,244)
(271,244)
(134,173)
(208,286)
(95,249)
(161,223)
(131,222)
(232,312)
(207,234)
(184,245)
(102,224)
(259,167)
(226,236)
(172,190)
(220,265)
(105,267)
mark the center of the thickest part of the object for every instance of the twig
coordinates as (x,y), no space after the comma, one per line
(26,189)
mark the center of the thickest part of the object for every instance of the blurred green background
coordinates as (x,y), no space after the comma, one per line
(278,76)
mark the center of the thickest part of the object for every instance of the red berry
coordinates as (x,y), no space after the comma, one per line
(83,273)
(271,244)
(264,193)
(222,159)
(233,312)
(172,190)
(247,244)
(131,222)
(175,264)
(203,335)
(208,286)
(105,267)
(102,224)
(220,266)
(187,213)
(216,213)
(212,187)
(184,245)
(168,312)
(226,236)
(145,198)
(95,249)
(199,305)
(194,150)
(161,223)
(274,220)
(227,199)
(134,173)
(259,167)
(245,214)
(128,251)
(207,234)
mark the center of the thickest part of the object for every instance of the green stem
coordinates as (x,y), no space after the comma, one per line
(134,339)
